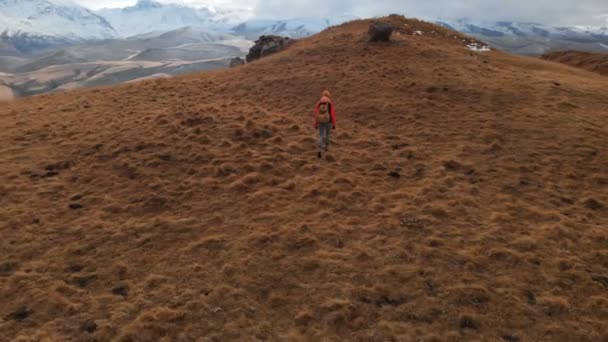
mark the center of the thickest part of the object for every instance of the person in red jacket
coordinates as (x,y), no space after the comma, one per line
(324,119)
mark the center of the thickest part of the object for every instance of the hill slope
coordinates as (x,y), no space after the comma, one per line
(596,62)
(194,207)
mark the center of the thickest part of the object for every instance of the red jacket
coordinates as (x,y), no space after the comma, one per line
(332,111)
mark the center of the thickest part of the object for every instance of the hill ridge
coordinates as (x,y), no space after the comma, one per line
(594,62)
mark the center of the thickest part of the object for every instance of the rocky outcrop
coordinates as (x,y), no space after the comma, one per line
(236,61)
(380,32)
(267,45)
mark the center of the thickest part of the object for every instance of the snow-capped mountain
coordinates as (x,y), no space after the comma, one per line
(32,24)
(520,29)
(532,38)
(603,30)
(150,16)
(52,18)
(294,28)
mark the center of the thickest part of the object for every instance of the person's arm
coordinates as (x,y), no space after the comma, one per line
(315,114)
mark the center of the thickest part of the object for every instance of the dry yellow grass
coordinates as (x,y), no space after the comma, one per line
(5,93)
(194,208)
(595,62)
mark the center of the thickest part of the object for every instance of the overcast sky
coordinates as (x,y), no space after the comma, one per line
(576,12)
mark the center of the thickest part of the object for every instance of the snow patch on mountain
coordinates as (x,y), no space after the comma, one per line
(150,16)
(56,18)
(478,47)
(294,28)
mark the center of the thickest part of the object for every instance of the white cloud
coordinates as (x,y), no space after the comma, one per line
(582,12)
(96,4)
(547,11)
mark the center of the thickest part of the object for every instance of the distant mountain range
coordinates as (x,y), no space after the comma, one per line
(29,25)
(149,16)
(294,28)
(107,62)
(32,25)
(532,38)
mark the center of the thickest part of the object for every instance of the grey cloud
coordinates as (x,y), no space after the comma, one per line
(555,12)
(576,12)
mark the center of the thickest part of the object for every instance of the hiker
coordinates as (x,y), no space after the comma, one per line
(324,120)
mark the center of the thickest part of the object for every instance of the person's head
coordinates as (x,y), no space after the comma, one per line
(326,93)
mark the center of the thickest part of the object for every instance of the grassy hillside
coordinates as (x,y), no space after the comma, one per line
(465,197)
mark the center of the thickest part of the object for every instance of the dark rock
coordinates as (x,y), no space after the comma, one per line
(419,170)
(452,165)
(166,157)
(7,268)
(50,174)
(530,297)
(380,32)
(394,174)
(20,314)
(567,200)
(121,290)
(76,206)
(75,268)
(388,301)
(89,326)
(603,280)
(399,146)
(263,133)
(429,287)
(267,45)
(468,322)
(593,204)
(58,166)
(84,281)
(510,338)
(236,61)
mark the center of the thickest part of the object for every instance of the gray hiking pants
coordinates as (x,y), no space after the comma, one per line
(324,131)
